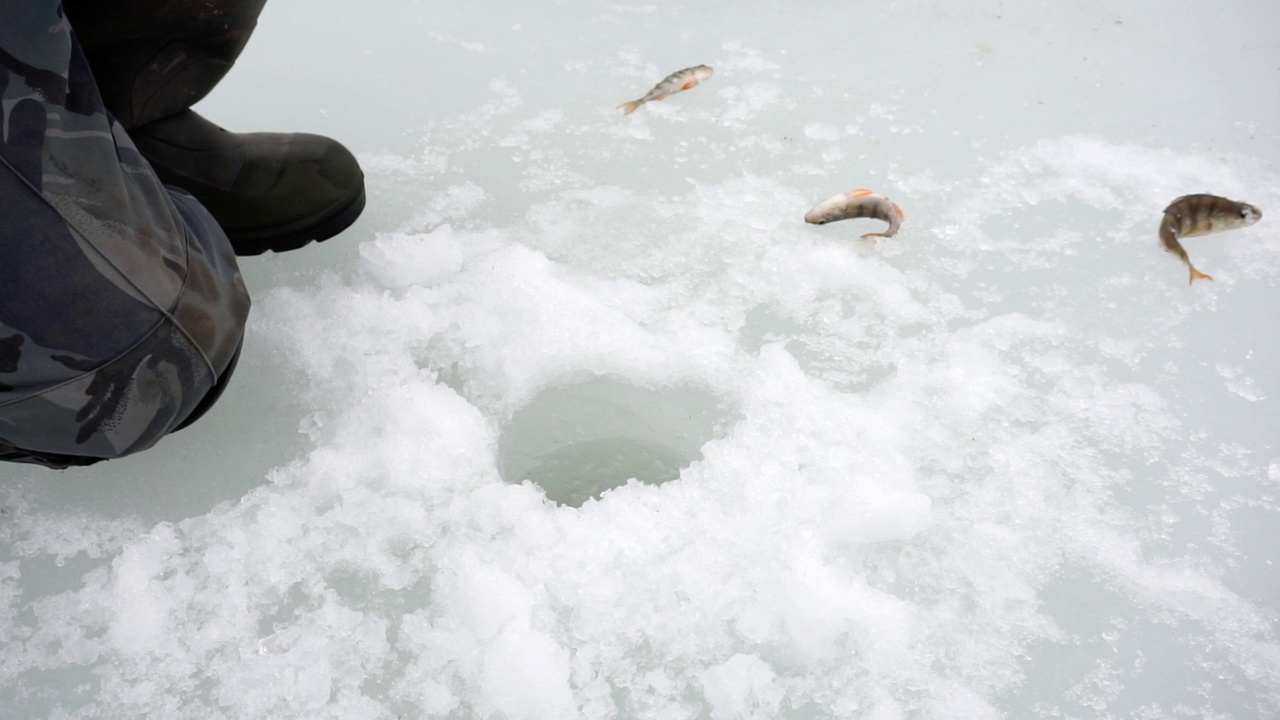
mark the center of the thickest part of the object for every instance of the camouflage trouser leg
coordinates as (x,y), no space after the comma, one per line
(121,305)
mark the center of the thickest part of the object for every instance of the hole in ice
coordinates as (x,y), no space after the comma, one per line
(578,441)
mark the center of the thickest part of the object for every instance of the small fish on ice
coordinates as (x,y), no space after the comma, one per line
(1201,214)
(858,204)
(678,81)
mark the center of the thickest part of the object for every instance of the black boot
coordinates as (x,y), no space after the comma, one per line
(268,191)
(153,59)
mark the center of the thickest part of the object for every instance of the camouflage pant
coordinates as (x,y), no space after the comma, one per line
(121,305)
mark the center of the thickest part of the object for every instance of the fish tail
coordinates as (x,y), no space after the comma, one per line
(629,107)
(1197,275)
(1169,237)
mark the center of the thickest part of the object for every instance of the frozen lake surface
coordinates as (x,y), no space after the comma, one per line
(1005,464)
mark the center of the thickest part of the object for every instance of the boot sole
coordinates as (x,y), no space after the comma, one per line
(263,241)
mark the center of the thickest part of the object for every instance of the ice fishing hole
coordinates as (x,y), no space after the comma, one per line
(578,441)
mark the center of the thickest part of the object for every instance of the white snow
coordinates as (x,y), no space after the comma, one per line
(581,420)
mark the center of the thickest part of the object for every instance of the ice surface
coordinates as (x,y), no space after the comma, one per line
(1006,464)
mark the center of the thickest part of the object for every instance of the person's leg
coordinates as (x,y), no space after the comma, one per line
(153,60)
(121,306)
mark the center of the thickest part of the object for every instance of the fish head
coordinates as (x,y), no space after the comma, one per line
(1234,214)
(817,217)
(702,72)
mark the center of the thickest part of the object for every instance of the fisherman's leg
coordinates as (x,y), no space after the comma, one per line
(156,58)
(121,307)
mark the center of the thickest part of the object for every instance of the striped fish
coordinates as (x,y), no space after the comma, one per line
(678,81)
(858,204)
(1202,214)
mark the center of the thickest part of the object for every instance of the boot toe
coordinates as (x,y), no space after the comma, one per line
(312,188)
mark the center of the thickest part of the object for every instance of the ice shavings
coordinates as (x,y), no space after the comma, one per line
(745,58)
(465,44)
(845,543)
(453,202)
(972,471)
(1241,385)
(821,131)
(746,102)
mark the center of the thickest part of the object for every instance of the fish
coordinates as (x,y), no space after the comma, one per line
(1201,214)
(856,204)
(678,81)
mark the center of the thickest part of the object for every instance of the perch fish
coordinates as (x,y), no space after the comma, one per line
(1201,214)
(678,81)
(857,204)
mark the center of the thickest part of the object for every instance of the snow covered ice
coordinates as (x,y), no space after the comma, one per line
(1005,464)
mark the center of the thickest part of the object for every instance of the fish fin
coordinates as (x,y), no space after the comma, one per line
(1197,275)
(898,208)
(629,107)
(861,192)
(689,84)
(872,236)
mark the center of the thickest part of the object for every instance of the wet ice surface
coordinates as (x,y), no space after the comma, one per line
(1004,464)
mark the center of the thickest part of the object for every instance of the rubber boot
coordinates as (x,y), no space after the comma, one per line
(153,59)
(268,191)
